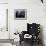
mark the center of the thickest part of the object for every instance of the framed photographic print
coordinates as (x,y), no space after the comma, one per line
(20,14)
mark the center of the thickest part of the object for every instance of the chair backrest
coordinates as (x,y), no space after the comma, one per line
(33,28)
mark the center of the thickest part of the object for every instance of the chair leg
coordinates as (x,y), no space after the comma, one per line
(20,42)
(32,42)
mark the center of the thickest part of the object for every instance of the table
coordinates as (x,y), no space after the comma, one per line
(16,40)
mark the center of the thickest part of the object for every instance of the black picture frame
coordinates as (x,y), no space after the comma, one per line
(20,14)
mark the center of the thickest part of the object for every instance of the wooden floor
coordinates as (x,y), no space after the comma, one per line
(27,44)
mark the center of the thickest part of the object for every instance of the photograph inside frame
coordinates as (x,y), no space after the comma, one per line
(20,14)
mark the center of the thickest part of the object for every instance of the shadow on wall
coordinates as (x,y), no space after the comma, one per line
(41,34)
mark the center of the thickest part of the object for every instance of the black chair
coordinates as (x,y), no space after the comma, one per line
(32,29)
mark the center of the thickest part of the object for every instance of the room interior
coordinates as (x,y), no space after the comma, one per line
(16,14)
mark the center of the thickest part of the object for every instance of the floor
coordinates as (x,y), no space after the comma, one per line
(23,44)
(26,44)
(5,44)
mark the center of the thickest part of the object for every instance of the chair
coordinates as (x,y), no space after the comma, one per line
(33,30)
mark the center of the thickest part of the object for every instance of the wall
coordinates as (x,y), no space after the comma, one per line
(3,34)
(3,20)
(35,13)
(3,1)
